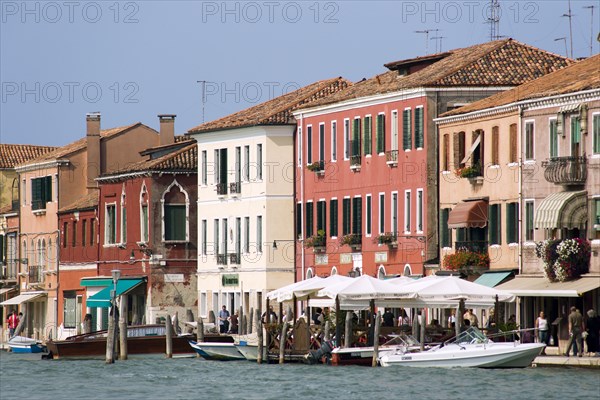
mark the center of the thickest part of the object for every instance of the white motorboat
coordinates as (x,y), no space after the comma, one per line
(217,351)
(364,355)
(470,349)
(249,350)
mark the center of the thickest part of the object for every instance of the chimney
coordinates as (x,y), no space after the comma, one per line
(93,148)
(167,128)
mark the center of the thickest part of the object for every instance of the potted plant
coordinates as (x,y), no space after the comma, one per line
(317,166)
(472,171)
(389,238)
(564,259)
(317,242)
(465,261)
(354,240)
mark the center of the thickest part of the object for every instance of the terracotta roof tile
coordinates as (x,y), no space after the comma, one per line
(499,63)
(80,144)
(182,160)
(584,75)
(12,155)
(277,111)
(86,202)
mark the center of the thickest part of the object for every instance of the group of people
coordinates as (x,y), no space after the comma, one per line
(580,328)
(13,322)
(228,323)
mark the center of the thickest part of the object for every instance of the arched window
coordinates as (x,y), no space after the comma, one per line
(50,255)
(334,270)
(123,217)
(144,221)
(309,273)
(175,217)
(43,255)
(32,253)
(407,270)
(381,272)
(40,253)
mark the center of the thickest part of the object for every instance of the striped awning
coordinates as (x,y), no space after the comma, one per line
(469,214)
(570,108)
(562,210)
(23,298)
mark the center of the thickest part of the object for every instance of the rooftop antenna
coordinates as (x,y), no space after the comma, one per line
(426,32)
(438,38)
(564,39)
(570,16)
(203,96)
(494,20)
(591,8)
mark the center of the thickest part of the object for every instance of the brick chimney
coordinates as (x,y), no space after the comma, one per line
(93,148)
(167,129)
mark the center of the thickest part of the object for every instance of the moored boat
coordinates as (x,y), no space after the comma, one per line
(470,349)
(216,350)
(21,344)
(364,355)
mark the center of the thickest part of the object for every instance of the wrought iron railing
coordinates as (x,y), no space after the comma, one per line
(235,187)
(566,170)
(475,246)
(35,274)
(221,188)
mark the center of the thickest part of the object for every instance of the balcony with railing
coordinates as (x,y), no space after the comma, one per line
(221,189)
(235,187)
(475,246)
(235,258)
(391,157)
(566,170)
(221,259)
(35,274)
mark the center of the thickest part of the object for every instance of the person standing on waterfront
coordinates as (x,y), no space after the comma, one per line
(388,318)
(223,320)
(575,331)
(593,330)
(12,322)
(452,319)
(233,328)
(541,325)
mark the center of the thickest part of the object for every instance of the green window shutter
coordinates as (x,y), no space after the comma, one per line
(367,137)
(419,135)
(460,234)
(406,130)
(553,139)
(175,222)
(596,129)
(575,130)
(444,233)
(321,216)
(309,219)
(380,133)
(509,222)
(356,137)
(333,218)
(357,215)
(298,220)
(498,224)
(47,189)
(346,217)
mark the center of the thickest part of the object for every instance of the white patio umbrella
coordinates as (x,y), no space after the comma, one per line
(287,292)
(401,280)
(311,288)
(365,287)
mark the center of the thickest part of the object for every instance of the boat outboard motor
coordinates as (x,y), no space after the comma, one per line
(315,356)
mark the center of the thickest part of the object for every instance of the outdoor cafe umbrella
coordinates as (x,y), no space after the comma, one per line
(287,292)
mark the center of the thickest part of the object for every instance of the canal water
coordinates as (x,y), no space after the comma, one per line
(154,377)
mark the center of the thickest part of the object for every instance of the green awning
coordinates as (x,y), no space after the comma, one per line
(96,282)
(102,298)
(493,278)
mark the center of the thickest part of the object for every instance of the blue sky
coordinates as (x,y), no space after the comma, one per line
(132,60)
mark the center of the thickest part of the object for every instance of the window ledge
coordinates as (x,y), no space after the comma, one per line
(529,162)
(407,150)
(39,212)
(381,154)
(513,245)
(512,164)
(495,166)
(368,155)
(110,245)
(419,148)
(447,248)
(446,172)
(495,246)
(529,244)
(175,241)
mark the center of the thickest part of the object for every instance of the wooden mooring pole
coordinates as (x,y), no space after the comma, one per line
(259,334)
(110,338)
(169,337)
(123,328)
(376,339)
(282,342)
(348,334)
(189,316)
(250,321)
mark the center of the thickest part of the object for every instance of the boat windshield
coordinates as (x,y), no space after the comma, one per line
(471,335)
(403,340)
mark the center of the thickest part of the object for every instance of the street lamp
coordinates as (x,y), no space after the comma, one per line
(116,274)
(280,240)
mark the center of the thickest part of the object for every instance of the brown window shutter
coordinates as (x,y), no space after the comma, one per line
(513,143)
(482,149)
(456,149)
(445,161)
(495,144)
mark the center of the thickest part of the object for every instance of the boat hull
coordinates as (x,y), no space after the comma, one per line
(250,352)
(21,344)
(216,351)
(496,355)
(356,355)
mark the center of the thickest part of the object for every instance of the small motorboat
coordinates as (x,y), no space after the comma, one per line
(471,349)
(217,351)
(364,355)
(21,344)
(248,350)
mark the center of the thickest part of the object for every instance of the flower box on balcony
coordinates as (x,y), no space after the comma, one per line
(466,261)
(318,167)
(472,171)
(354,240)
(391,158)
(317,242)
(389,238)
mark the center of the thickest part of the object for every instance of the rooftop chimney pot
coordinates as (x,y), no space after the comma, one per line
(167,129)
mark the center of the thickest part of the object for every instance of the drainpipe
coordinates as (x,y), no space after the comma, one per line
(302,258)
(520,185)
(57,282)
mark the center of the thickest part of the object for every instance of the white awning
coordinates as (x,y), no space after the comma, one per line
(472,149)
(22,298)
(570,108)
(541,287)
(5,290)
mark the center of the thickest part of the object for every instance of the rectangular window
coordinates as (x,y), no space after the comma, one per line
(74,235)
(221,170)
(407,211)
(259,161)
(217,166)
(321,142)
(419,210)
(225,230)
(308,145)
(65,234)
(346,139)
(308,219)
(512,155)
(204,168)
(333,141)
(394,210)
(346,217)
(458,146)
(24,192)
(596,132)
(246,234)
(144,222)
(69,309)
(238,164)
(357,215)
(259,234)
(123,224)
(216,242)
(445,232)
(356,137)
(575,136)
(368,216)
(204,238)
(238,234)
(299,220)
(367,136)
(495,231)
(553,138)
(419,128)
(380,133)
(406,130)
(333,218)
(92,231)
(512,223)
(110,228)
(321,217)
(596,217)
(446,153)
(175,222)
(529,220)
(246,163)
(394,130)
(495,146)
(299,143)
(41,192)
(381,213)
(529,132)
(84,232)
